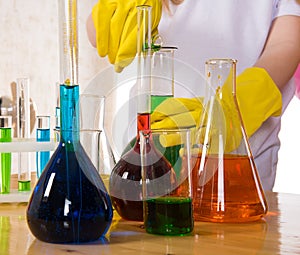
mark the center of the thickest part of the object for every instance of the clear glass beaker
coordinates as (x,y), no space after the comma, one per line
(167,196)
(93,136)
(226,183)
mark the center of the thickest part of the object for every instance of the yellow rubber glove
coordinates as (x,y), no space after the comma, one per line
(177,113)
(115,22)
(258,99)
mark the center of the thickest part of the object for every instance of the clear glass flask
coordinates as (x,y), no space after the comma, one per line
(5,157)
(69,203)
(226,183)
(42,135)
(23,132)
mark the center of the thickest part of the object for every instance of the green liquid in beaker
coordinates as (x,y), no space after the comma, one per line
(169,216)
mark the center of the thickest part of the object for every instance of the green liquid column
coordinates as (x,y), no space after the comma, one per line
(5,158)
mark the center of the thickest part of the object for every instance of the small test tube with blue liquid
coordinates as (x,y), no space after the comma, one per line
(42,135)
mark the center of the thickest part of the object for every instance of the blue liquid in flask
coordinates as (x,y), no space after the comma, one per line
(69,203)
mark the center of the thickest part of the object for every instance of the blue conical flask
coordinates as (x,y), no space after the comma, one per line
(69,203)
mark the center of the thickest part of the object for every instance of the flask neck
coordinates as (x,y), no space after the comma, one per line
(220,73)
(69,112)
(143,123)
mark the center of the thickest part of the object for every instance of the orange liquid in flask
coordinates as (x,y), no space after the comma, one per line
(225,191)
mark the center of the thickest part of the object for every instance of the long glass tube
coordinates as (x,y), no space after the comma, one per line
(144,58)
(68,44)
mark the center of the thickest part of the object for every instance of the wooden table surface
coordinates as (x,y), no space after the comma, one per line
(278,233)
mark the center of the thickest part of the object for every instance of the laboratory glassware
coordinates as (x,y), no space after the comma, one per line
(226,183)
(126,178)
(167,198)
(93,136)
(57,115)
(42,135)
(162,77)
(69,203)
(5,157)
(23,132)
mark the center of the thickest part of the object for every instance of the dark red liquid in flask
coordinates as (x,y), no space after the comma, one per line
(126,178)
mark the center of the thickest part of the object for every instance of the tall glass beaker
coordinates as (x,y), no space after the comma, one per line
(226,183)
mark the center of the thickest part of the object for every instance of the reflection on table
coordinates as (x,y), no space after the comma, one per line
(277,233)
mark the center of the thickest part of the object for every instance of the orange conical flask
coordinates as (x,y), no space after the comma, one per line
(226,185)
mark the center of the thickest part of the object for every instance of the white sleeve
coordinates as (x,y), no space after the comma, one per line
(286,7)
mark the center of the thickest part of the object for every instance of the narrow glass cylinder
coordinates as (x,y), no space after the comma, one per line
(144,53)
(42,135)
(5,157)
(68,41)
(23,132)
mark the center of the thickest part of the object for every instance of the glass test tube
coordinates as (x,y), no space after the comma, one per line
(23,132)
(42,135)
(5,158)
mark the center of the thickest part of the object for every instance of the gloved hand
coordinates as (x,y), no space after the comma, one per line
(177,113)
(258,99)
(115,22)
